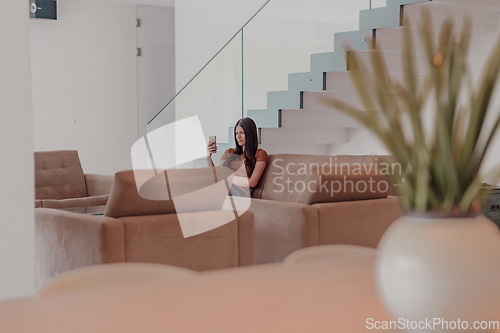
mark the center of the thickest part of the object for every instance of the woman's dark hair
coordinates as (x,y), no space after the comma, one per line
(251,145)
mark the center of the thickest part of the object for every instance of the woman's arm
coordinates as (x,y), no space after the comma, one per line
(209,161)
(260,166)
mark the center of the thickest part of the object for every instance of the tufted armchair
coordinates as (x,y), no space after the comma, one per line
(61,183)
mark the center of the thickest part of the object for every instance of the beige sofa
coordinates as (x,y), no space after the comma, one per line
(294,209)
(279,221)
(134,229)
(61,183)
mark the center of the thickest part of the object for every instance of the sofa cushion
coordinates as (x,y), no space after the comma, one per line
(59,175)
(313,179)
(191,189)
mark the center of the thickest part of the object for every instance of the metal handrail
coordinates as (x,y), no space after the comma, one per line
(211,59)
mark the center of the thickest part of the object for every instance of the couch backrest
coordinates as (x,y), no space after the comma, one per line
(317,178)
(192,190)
(59,175)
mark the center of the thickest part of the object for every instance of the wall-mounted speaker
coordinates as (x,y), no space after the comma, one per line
(45,9)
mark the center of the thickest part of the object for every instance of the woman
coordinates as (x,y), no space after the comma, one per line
(247,160)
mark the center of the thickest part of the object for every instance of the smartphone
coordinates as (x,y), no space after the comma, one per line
(212,140)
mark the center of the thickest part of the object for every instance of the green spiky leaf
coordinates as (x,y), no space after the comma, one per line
(443,162)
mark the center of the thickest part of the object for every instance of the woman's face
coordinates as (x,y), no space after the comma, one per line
(240,136)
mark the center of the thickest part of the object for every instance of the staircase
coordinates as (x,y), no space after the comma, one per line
(297,121)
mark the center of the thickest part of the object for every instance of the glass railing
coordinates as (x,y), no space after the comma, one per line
(282,50)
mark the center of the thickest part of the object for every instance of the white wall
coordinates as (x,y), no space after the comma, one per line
(156,65)
(203,27)
(278,41)
(16,149)
(84,76)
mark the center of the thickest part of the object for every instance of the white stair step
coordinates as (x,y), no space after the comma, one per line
(391,39)
(361,142)
(493,4)
(320,129)
(316,118)
(394,61)
(482,20)
(318,100)
(338,81)
(342,82)
(481,44)
(311,135)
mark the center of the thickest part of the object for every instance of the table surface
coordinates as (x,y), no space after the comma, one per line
(335,295)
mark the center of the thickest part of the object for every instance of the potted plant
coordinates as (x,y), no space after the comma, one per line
(440,260)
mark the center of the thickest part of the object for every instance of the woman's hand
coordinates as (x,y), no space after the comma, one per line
(211,148)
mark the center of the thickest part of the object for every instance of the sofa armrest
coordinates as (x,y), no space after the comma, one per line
(98,184)
(281,228)
(99,200)
(196,240)
(361,222)
(66,240)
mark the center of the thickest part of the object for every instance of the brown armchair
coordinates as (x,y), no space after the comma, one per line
(61,183)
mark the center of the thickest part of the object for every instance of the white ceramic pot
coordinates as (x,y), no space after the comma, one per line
(431,269)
